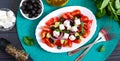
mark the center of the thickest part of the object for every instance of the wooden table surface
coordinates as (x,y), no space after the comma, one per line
(13,37)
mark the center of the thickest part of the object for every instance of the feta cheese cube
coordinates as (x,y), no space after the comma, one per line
(77,22)
(61,27)
(72,37)
(66,35)
(74,28)
(56,34)
(66,23)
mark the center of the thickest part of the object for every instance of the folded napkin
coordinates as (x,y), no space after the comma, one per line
(27,28)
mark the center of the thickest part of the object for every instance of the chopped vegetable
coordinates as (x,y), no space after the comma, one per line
(28,41)
(102,49)
(109,7)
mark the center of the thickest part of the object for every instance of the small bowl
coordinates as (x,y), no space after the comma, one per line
(2,28)
(42,8)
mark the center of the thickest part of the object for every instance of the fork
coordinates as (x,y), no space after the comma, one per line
(101,36)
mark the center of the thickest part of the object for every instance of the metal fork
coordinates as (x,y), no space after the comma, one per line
(100,37)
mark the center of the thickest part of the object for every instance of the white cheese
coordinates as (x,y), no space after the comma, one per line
(66,23)
(7,19)
(69,27)
(74,28)
(61,27)
(10,14)
(65,36)
(56,34)
(77,22)
(72,37)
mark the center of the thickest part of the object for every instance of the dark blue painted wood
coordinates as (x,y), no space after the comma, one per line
(12,34)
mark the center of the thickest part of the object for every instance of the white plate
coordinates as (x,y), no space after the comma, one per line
(58,12)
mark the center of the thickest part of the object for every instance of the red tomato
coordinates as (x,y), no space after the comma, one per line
(58,43)
(77,41)
(87,32)
(88,24)
(56,19)
(64,16)
(84,18)
(43,34)
(47,42)
(69,15)
(46,28)
(69,43)
(76,12)
(50,22)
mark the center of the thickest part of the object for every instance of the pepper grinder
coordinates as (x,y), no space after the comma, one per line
(6,46)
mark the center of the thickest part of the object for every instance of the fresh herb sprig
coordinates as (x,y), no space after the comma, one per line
(109,7)
(28,41)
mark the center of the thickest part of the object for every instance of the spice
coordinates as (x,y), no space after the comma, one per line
(18,54)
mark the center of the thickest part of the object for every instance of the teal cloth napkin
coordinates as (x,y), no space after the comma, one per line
(27,28)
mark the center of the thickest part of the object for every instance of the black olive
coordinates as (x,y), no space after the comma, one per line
(33,1)
(24,3)
(62,19)
(30,15)
(23,7)
(30,7)
(78,16)
(77,37)
(52,28)
(33,12)
(59,47)
(39,11)
(35,15)
(71,23)
(24,11)
(51,40)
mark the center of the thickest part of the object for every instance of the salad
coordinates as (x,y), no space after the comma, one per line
(63,31)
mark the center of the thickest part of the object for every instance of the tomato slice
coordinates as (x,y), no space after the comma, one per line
(46,28)
(69,43)
(47,42)
(84,18)
(64,16)
(69,15)
(87,32)
(76,12)
(56,19)
(58,43)
(88,24)
(50,22)
(43,34)
(77,41)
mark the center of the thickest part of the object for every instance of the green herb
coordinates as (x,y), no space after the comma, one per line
(109,7)
(66,31)
(102,49)
(117,4)
(58,30)
(28,41)
(83,30)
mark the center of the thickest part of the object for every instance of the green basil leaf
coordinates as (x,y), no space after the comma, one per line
(104,4)
(116,18)
(98,3)
(100,13)
(28,41)
(118,12)
(102,49)
(117,4)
